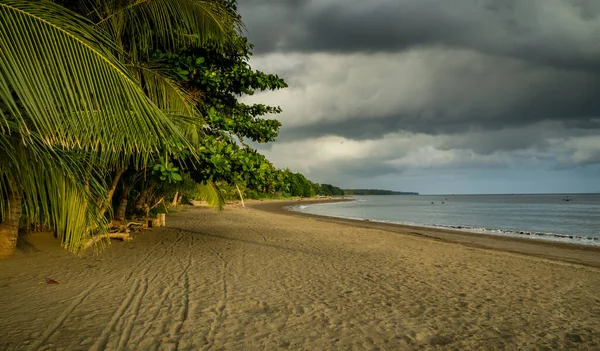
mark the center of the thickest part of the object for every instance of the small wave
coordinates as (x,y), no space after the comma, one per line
(555,237)
(526,233)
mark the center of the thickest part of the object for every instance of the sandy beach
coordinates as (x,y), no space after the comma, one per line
(262,279)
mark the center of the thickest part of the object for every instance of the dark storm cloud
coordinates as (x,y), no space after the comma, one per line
(377,127)
(554,32)
(518,63)
(367,168)
(474,94)
(379,88)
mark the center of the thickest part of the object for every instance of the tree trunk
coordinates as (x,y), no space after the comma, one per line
(111,191)
(174,203)
(240,193)
(142,202)
(120,214)
(9,228)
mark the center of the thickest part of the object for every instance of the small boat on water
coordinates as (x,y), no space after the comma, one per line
(567,198)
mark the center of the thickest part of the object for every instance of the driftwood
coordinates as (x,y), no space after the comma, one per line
(120,232)
(96,238)
(130,224)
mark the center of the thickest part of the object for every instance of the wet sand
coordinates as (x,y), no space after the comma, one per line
(248,279)
(581,254)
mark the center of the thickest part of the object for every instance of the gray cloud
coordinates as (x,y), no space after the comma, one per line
(553,32)
(434,91)
(386,88)
(352,169)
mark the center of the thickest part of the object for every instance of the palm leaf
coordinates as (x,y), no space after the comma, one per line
(54,191)
(166,93)
(213,196)
(173,99)
(60,80)
(143,25)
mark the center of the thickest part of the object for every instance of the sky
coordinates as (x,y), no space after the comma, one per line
(433,96)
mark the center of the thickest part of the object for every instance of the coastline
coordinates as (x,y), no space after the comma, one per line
(567,252)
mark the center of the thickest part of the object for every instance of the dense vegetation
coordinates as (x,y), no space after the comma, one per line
(116,110)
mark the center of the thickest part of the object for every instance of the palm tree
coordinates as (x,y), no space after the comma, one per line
(76,100)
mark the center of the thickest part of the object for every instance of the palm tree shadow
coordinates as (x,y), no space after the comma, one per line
(25,245)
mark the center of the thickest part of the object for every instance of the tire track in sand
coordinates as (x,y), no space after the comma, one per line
(133,299)
(126,332)
(221,305)
(100,344)
(185,308)
(54,326)
(152,251)
(167,294)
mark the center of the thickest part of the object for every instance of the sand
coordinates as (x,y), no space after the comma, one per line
(247,279)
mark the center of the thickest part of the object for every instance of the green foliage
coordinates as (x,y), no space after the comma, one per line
(76,99)
(211,193)
(299,185)
(330,190)
(81,97)
(168,172)
(88,87)
(217,77)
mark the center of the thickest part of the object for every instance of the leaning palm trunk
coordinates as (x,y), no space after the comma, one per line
(9,228)
(121,210)
(111,190)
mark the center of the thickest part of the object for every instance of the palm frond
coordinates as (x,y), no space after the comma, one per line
(60,80)
(213,196)
(172,99)
(166,93)
(142,25)
(60,189)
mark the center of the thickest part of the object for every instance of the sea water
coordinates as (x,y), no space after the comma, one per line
(573,218)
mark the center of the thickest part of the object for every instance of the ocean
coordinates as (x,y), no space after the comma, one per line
(571,218)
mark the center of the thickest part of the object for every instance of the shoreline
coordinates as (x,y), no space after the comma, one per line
(587,255)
